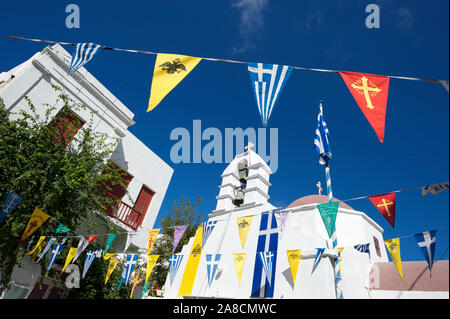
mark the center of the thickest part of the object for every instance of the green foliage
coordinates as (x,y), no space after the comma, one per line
(182,213)
(66,182)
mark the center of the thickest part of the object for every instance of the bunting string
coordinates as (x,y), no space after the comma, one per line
(219,59)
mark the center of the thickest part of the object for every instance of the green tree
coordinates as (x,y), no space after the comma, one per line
(68,181)
(182,213)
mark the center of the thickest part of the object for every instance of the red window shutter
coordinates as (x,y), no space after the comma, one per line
(117,192)
(65,125)
(377,246)
(143,201)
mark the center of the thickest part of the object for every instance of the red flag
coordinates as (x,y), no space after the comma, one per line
(386,205)
(91,238)
(371,93)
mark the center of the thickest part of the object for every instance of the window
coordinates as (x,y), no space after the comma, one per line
(377,246)
(143,201)
(117,192)
(65,125)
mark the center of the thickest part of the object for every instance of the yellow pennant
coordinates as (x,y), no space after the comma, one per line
(69,258)
(151,261)
(151,239)
(38,250)
(37,246)
(169,70)
(340,249)
(192,264)
(239,260)
(107,256)
(135,282)
(393,247)
(294,257)
(111,266)
(243,224)
(36,220)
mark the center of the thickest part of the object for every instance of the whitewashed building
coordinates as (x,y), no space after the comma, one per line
(148,176)
(364,276)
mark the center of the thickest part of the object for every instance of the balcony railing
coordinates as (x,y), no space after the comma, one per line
(125,213)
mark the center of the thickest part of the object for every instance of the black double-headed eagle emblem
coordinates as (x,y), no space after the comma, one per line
(174,66)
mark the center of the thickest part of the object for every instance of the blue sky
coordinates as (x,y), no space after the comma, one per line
(412,41)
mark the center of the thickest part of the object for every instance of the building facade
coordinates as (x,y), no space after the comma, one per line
(147,175)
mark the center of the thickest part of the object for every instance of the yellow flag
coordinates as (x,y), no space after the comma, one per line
(36,220)
(294,258)
(135,282)
(69,258)
(111,266)
(151,239)
(169,70)
(243,224)
(37,246)
(393,247)
(38,250)
(192,264)
(239,260)
(107,256)
(151,261)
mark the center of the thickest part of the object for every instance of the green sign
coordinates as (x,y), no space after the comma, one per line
(328,212)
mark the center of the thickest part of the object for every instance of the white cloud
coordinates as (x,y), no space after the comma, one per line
(251,15)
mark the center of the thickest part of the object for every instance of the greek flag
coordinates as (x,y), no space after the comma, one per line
(174,264)
(268,81)
(267,242)
(207,230)
(317,259)
(83,53)
(363,248)
(128,268)
(57,248)
(321,141)
(267,259)
(212,262)
(11,201)
(427,243)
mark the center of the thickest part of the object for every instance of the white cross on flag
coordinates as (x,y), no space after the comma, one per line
(427,243)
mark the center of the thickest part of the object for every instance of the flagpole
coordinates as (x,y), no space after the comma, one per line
(336,262)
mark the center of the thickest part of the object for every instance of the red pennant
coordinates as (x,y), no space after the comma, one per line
(91,238)
(371,93)
(386,205)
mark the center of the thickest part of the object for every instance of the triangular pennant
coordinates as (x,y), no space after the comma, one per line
(130,237)
(190,271)
(47,248)
(281,217)
(36,220)
(294,257)
(177,235)
(41,239)
(82,244)
(109,242)
(328,212)
(135,282)
(239,260)
(170,69)
(364,248)
(145,288)
(111,266)
(70,254)
(385,203)
(152,235)
(434,188)
(212,263)
(106,256)
(317,258)
(208,227)
(128,268)
(90,256)
(393,247)
(371,94)
(268,80)
(11,201)
(57,248)
(427,243)
(267,259)
(243,224)
(62,229)
(38,250)
(151,262)
(91,238)
(444,84)
(174,264)
(82,54)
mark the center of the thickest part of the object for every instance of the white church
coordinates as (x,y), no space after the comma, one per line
(363,275)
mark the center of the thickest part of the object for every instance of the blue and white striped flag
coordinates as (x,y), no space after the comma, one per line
(128,268)
(83,53)
(212,263)
(207,230)
(11,201)
(318,258)
(321,141)
(57,248)
(427,243)
(364,248)
(174,264)
(268,81)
